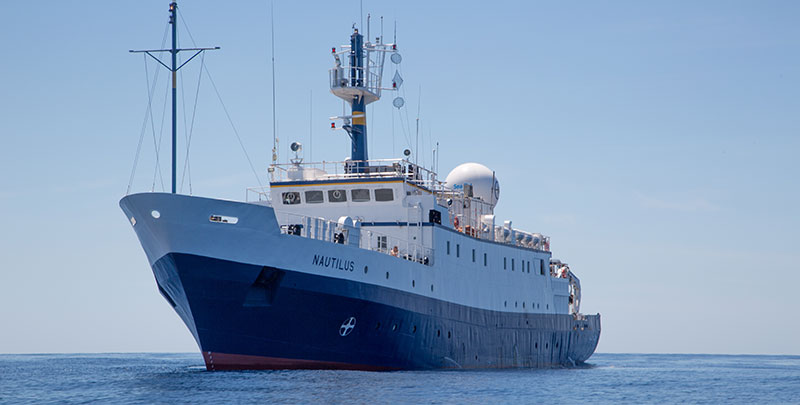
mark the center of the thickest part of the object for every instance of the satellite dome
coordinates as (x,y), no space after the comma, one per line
(482,179)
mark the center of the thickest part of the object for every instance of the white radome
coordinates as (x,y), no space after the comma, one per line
(483,180)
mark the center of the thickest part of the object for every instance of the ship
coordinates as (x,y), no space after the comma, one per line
(361,264)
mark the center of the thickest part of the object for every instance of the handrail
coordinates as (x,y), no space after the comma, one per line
(412,172)
(334,232)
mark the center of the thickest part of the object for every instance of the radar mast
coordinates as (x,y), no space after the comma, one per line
(357,79)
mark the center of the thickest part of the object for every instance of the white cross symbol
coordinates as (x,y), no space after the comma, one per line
(347,326)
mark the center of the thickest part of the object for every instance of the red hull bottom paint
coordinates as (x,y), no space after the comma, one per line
(224,361)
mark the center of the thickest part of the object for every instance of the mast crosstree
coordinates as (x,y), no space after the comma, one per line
(173,20)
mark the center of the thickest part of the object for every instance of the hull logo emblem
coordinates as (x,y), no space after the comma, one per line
(347,326)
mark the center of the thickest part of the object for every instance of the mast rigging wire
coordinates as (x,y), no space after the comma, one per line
(224,108)
(148,111)
(274,122)
(191,127)
(186,167)
(160,137)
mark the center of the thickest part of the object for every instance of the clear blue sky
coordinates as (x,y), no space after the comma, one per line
(655,142)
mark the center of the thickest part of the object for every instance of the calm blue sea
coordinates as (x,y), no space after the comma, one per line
(611,378)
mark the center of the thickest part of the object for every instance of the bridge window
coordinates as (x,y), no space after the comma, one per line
(359,195)
(291,197)
(384,194)
(314,197)
(337,196)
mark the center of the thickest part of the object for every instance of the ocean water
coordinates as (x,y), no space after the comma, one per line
(609,378)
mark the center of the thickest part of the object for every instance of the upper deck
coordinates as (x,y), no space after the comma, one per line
(385,191)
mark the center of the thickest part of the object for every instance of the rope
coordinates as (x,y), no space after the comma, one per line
(160,137)
(141,138)
(191,127)
(148,111)
(255,173)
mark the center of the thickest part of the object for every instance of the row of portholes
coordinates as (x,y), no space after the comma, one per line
(413,282)
(450,336)
(414,330)
(533,305)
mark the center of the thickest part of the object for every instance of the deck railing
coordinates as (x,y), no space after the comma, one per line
(354,169)
(353,235)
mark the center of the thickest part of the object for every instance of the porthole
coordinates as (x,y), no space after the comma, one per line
(536,345)
(523,304)
(366,269)
(556,345)
(546,345)
(155,214)
(505,304)
(438,333)
(548,306)
(387,275)
(515,304)
(413,283)
(431,287)
(448,334)
(414,330)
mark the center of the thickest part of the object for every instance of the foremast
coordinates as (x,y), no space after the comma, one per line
(173,21)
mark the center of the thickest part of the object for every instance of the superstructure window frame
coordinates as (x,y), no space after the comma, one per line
(311,197)
(290,197)
(384,194)
(359,195)
(337,196)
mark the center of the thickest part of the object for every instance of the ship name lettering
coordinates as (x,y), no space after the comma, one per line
(333,262)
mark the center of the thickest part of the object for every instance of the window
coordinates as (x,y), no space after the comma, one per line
(382,243)
(458,250)
(337,196)
(384,194)
(291,197)
(505,263)
(448,247)
(359,195)
(541,266)
(484,260)
(473,255)
(512,264)
(314,197)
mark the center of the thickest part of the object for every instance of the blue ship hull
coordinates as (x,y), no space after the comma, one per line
(253,316)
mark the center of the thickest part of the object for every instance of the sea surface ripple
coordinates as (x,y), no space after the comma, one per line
(145,378)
